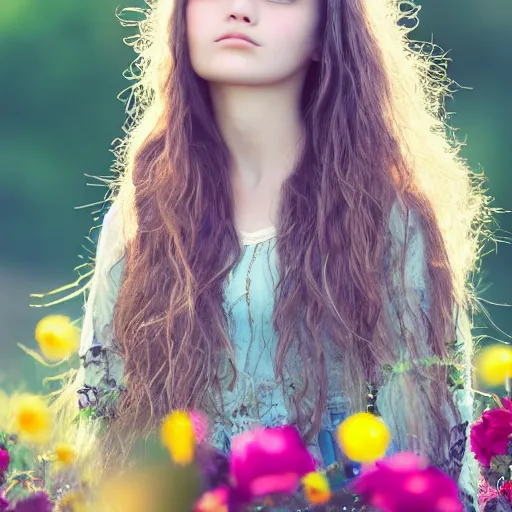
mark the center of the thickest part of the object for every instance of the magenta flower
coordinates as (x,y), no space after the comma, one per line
(490,434)
(4,460)
(402,483)
(37,502)
(4,504)
(267,461)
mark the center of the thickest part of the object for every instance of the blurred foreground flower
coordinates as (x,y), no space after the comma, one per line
(490,434)
(267,461)
(178,435)
(130,492)
(316,488)
(58,338)
(73,501)
(494,364)
(37,502)
(65,453)
(4,461)
(363,437)
(31,418)
(213,466)
(4,504)
(213,501)
(403,483)
(506,491)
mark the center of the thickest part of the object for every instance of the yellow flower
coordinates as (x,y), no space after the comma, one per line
(316,488)
(494,364)
(177,434)
(363,437)
(72,501)
(31,417)
(5,415)
(65,453)
(58,338)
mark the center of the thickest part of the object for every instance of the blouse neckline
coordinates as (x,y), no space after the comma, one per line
(256,237)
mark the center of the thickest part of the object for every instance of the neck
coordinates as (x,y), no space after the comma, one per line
(262,127)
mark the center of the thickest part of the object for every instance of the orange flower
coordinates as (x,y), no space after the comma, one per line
(213,501)
(316,488)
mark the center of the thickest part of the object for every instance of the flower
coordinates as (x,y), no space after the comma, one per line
(4,460)
(177,434)
(268,460)
(316,488)
(403,482)
(486,492)
(490,434)
(213,465)
(494,364)
(37,502)
(58,338)
(65,453)
(132,491)
(363,437)
(199,424)
(31,417)
(506,491)
(213,501)
(73,501)
(4,504)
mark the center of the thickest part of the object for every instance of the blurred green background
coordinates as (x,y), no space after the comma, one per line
(62,65)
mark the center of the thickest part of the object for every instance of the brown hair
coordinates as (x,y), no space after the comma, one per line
(375,132)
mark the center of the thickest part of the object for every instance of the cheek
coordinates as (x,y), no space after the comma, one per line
(197,23)
(295,38)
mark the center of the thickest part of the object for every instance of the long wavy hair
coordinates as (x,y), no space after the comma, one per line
(375,131)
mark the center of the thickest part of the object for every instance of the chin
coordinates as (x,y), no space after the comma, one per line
(240,77)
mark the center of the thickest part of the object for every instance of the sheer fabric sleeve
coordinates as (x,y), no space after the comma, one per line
(101,363)
(414,304)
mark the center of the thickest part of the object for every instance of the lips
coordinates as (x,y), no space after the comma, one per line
(236,35)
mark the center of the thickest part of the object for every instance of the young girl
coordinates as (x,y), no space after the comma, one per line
(291,233)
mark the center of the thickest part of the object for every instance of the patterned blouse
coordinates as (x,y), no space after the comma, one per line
(257,397)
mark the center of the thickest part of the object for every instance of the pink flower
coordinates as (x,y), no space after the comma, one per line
(4,460)
(485,492)
(402,483)
(267,461)
(199,424)
(490,434)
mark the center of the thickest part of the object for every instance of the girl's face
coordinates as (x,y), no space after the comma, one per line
(285,33)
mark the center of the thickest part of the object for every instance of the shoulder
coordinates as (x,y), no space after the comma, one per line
(405,224)
(111,247)
(407,250)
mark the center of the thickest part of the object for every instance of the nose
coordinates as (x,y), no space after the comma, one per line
(243,11)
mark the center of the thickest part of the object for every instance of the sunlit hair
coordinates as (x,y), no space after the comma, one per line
(375,131)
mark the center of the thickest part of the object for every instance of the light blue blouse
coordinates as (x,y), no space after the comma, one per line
(257,397)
